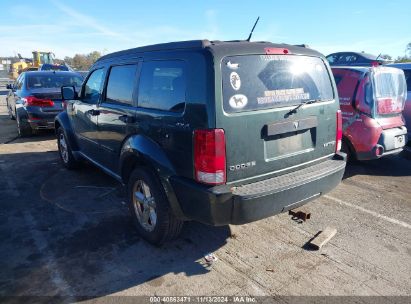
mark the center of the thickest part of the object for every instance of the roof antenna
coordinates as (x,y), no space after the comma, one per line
(249,37)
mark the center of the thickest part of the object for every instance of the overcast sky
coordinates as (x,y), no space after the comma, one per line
(70,27)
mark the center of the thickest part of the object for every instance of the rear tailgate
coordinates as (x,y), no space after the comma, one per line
(263,133)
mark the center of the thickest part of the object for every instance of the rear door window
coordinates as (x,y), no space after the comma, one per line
(254,82)
(163,86)
(120,86)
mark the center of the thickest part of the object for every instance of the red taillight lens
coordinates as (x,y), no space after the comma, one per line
(209,156)
(34,101)
(338,136)
(389,105)
(375,63)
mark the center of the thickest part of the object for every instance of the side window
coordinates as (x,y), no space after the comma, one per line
(333,58)
(346,82)
(120,84)
(163,85)
(16,83)
(350,58)
(92,88)
(407,74)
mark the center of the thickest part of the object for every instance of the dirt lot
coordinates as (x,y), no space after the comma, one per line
(68,233)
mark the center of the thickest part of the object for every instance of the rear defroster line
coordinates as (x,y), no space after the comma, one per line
(373,213)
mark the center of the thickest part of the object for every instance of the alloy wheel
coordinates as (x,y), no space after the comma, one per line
(63,148)
(144,205)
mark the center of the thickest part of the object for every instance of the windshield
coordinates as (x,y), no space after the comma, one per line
(52,81)
(256,82)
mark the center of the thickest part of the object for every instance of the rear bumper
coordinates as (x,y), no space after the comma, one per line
(246,203)
(386,144)
(41,120)
(43,124)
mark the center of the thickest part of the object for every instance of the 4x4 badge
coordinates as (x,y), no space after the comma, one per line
(296,124)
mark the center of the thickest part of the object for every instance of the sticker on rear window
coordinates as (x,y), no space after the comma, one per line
(233,66)
(235,81)
(238,101)
(273,96)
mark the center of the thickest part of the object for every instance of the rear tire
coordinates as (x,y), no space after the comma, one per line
(150,208)
(65,152)
(23,127)
(347,149)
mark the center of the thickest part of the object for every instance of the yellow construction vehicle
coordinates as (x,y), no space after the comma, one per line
(34,63)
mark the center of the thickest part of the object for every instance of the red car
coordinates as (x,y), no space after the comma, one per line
(372,101)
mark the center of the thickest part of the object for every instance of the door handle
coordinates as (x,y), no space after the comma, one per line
(127,119)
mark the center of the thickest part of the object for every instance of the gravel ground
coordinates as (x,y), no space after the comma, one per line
(68,233)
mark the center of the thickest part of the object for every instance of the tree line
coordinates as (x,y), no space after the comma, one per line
(80,62)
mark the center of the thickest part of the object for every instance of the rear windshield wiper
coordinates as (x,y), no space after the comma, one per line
(293,111)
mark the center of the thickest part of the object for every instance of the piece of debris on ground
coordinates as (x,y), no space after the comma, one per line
(210,258)
(322,238)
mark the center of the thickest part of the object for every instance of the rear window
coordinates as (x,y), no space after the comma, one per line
(389,84)
(52,81)
(255,82)
(54,67)
(390,90)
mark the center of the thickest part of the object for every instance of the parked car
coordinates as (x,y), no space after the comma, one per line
(54,67)
(355,59)
(34,99)
(406,67)
(372,101)
(217,132)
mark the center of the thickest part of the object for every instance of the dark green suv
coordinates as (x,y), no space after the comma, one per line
(217,132)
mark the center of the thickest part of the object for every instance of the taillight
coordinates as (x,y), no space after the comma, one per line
(375,63)
(209,156)
(338,136)
(39,102)
(389,105)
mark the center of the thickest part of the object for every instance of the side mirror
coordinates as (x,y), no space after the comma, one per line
(68,93)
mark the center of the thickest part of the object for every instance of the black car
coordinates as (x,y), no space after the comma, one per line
(217,132)
(34,99)
(353,58)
